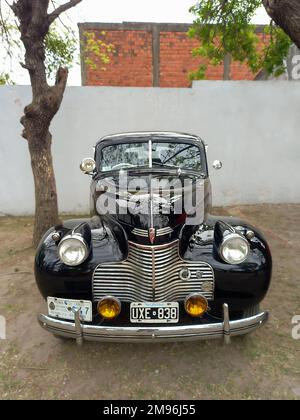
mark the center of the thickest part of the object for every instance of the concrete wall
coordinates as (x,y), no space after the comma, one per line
(253,127)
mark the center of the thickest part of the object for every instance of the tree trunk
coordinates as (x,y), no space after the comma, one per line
(46,209)
(227,67)
(286,14)
(46,100)
(36,121)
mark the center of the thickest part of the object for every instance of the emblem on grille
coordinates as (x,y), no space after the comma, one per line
(152,235)
(185,274)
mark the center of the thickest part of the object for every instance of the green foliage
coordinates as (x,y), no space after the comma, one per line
(61,45)
(224,26)
(61,49)
(275,51)
(198,74)
(5,79)
(97,50)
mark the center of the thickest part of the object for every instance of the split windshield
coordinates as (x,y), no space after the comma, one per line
(185,156)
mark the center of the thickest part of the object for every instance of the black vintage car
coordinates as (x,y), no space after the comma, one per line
(152,263)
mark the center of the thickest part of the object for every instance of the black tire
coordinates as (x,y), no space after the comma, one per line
(251,311)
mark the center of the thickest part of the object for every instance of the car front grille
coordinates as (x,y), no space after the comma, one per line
(153,274)
(158,232)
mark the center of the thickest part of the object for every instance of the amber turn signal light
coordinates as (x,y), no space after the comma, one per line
(109,307)
(196,305)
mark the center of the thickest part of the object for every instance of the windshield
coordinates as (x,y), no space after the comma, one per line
(185,156)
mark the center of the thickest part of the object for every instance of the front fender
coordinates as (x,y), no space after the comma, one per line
(240,286)
(54,278)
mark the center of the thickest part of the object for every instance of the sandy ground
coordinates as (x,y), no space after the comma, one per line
(265,365)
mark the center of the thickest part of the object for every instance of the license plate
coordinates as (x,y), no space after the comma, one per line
(154,312)
(66,308)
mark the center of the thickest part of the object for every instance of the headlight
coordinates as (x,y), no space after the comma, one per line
(88,165)
(73,250)
(234,249)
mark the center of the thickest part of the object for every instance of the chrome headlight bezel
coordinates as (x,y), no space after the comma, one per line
(224,243)
(83,244)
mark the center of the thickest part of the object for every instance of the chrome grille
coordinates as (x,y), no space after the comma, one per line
(140,232)
(158,232)
(152,273)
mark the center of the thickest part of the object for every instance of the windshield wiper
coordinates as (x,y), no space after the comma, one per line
(163,165)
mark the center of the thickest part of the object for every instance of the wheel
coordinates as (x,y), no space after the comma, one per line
(251,311)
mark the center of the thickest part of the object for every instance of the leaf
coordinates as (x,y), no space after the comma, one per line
(97,51)
(224,27)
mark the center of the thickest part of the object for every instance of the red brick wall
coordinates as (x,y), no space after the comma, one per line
(176,60)
(132,62)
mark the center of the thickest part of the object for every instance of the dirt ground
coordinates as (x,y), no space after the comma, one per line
(265,365)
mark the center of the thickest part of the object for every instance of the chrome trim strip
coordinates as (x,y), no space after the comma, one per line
(164,231)
(159,232)
(151,201)
(150,154)
(140,232)
(150,186)
(153,274)
(153,334)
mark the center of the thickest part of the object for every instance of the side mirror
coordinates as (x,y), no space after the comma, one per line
(88,166)
(217,165)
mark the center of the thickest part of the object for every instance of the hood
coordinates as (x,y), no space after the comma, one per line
(151,207)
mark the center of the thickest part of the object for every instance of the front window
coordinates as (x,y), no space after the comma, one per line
(175,155)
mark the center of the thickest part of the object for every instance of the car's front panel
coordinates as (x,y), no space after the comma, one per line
(153,275)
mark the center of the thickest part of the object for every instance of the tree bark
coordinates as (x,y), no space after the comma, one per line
(46,209)
(36,121)
(34,24)
(227,67)
(286,14)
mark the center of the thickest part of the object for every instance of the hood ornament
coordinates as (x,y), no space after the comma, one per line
(152,235)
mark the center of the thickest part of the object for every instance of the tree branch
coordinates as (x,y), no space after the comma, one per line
(61,79)
(61,9)
(286,14)
(27,67)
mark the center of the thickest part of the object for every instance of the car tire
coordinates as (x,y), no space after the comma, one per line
(251,311)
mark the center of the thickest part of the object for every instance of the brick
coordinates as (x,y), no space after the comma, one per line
(132,63)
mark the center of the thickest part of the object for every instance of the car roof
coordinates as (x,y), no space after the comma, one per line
(132,136)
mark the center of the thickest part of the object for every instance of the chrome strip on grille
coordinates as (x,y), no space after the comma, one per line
(151,273)
(140,232)
(159,232)
(164,231)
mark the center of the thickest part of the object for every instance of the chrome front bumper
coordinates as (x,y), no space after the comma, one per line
(83,332)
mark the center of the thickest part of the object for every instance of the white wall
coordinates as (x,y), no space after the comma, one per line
(253,127)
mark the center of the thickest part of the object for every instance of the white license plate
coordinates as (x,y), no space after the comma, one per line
(154,312)
(66,308)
